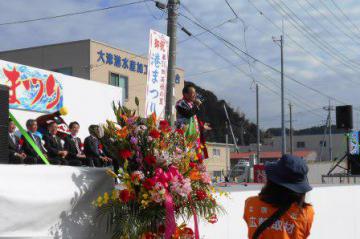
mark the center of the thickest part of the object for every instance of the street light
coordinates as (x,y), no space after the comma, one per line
(160,5)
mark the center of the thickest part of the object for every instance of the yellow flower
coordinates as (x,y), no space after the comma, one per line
(106,198)
(144,203)
(99,201)
(145,195)
(114,195)
(111,173)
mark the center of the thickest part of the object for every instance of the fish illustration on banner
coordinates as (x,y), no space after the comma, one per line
(31,89)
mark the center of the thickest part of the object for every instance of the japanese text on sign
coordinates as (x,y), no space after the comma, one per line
(30,88)
(121,62)
(157,74)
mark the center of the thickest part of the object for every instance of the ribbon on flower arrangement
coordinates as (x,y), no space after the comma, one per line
(196,225)
(170,223)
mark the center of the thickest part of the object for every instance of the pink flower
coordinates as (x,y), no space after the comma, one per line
(205,178)
(181,186)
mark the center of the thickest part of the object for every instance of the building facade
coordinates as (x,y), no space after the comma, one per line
(218,162)
(317,143)
(95,61)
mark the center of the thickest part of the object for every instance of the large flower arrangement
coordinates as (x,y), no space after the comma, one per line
(162,179)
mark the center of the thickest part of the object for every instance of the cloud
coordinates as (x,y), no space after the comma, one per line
(128,28)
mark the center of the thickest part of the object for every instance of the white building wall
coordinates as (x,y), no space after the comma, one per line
(312,142)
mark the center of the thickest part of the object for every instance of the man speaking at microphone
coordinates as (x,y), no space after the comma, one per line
(188,107)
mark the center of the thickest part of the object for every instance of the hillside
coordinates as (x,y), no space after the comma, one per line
(212,112)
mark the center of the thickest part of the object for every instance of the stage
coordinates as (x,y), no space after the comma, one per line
(55,202)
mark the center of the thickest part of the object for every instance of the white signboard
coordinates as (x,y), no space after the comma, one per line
(157,74)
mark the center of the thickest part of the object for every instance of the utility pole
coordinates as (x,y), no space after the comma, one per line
(328,124)
(172,7)
(291,130)
(257,127)
(227,148)
(283,130)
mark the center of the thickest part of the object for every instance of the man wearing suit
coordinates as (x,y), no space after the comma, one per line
(92,149)
(16,155)
(32,127)
(73,145)
(55,148)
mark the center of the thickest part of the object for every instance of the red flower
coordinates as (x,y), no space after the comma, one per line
(212,219)
(101,147)
(125,153)
(21,142)
(155,134)
(149,183)
(150,159)
(192,165)
(201,195)
(179,131)
(126,195)
(165,126)
(161,229)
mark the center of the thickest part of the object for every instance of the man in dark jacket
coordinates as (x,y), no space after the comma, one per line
(93,149)
(188,107)
(55,148)
(73,145)
(16,154)
(32,127)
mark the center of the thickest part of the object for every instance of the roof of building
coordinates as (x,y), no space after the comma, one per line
(79,41)
(268,154)
(219,144)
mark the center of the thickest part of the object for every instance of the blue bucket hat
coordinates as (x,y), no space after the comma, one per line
(290,172)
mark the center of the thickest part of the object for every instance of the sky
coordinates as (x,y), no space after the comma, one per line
(321,45)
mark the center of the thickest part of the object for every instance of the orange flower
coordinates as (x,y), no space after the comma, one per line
(195,175)
(122,133)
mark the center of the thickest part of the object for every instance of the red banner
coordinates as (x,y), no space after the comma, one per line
(259,173)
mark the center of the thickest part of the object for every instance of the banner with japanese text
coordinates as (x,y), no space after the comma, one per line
(31,88)
(157,74)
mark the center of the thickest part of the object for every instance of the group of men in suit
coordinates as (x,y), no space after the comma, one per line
(66,151)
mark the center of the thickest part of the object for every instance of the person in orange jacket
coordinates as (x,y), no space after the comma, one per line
(280,210)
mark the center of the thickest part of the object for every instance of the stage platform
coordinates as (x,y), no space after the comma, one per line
(55,202)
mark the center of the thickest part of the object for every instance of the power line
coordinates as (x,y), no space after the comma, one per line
(310,35)
(319,23)
(229,45)
(300,46)
(330,20)
(242,71)
(73,13)
(343,13)
(338,19)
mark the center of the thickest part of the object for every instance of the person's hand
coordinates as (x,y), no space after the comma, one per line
(23,156)
(207,126)
(81,156)
(197,102)
(65,153)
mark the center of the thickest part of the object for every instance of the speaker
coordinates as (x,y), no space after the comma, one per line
(4,124)
(354,164)
(344,117)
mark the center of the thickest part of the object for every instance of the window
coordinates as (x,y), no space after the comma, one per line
(216,152)
(322,143)
(120,81)
(65,70)
(300,144)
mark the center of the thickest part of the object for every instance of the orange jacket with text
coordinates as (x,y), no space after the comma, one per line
(294,224)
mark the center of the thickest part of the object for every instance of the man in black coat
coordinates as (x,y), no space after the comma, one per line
(32,127)
(16,154)
(93,150)
(73,145)
(55,148)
